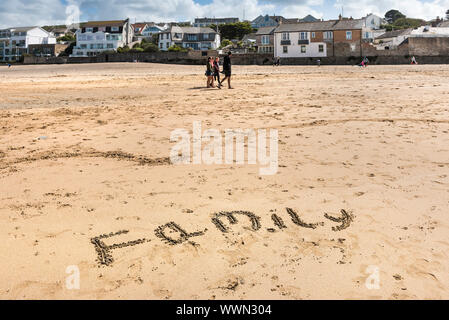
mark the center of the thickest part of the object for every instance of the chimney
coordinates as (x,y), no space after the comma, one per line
(339,17)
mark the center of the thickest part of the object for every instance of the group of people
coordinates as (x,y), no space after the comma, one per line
(213,71)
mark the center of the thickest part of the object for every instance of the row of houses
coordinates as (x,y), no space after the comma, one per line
(277,36)
(15,42)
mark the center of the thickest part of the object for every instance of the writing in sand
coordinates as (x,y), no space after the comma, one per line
(173,234)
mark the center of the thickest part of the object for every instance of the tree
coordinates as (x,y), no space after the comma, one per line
(155,38)
(225,43)
(405,23)
(151,47)
(67,38)
(393,15)
(176,48)
(234,30)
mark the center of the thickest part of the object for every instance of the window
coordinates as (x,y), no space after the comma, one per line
(191,37)
(115,29)
(110,45)
(89,29)
(265,39)
(285,36)
(285,49)
(303,49)
(205,36)
(303,36)
(313,35)
(348,35)
(320,48)
(328,35)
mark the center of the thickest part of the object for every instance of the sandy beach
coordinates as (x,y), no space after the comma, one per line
(86,183)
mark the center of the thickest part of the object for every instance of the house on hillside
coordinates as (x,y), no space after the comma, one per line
(274,21)
(96,37)
(149,31)
(14,42)
(206,22)
(266,21)
(319,39)
(195,38)
(59,31)
(392,39)
(139,27)
(265,40)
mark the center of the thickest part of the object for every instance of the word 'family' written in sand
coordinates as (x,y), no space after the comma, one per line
(173,234)
(212,153)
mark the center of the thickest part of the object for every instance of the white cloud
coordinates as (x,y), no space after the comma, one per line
(44,12)
(429,9)
(30,13)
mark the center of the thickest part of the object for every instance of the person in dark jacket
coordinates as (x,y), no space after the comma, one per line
(217,71)
(210,72)
(227,69)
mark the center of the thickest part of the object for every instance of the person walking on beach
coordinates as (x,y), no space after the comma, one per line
(217,71)
(414,60)
(210,73)
(227,69)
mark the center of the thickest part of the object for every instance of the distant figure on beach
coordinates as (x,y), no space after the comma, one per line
(210,72)
(414,60)
(227,69)
(9,65)
(276,62)
(366,61)
(318,62)
(217,71)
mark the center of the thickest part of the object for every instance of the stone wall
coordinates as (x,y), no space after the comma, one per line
(435,46)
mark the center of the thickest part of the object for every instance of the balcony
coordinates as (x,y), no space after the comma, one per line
(285,42)
(303,41)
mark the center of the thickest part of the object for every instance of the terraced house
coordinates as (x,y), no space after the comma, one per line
(333,38)
(265,39)
(95,37)
(196,38)
(14,42)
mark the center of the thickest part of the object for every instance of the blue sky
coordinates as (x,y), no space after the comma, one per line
(43,12)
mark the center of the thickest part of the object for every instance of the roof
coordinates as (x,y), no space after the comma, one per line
(349,24)
(139,25)
(265,30)
(22,29)
(309,18)
(178,29)
(394,34)
(59,30)
(249,36)
(112,23)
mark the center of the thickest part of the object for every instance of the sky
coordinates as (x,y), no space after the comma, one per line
(17,13)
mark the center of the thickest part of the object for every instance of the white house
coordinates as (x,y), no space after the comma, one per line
(195,38)
(149,31)
(372,27)
(14,42)
(98,36)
